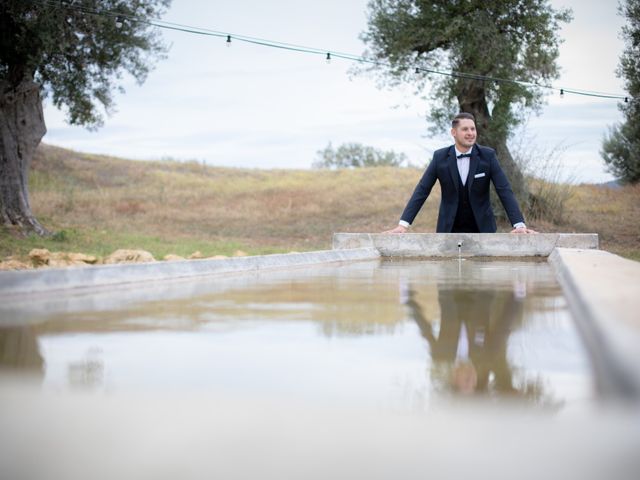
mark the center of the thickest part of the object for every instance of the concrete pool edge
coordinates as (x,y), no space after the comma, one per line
(603,293)
(73,278)
(471,244)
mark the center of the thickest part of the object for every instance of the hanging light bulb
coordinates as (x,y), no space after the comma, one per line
(228,40)
(119,21)
(328,57)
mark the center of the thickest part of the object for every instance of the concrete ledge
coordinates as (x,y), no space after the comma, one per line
(47,280)
(473,244)
(603,292)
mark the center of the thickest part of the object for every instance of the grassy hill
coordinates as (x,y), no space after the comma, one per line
(98,204)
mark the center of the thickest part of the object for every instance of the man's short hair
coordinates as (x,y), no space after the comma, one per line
(460,116)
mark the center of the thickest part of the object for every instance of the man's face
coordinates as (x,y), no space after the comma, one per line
(464,134)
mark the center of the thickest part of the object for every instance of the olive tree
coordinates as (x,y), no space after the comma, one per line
(621,147)
(479,41)
(73,52)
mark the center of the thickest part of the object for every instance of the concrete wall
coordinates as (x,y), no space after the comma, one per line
(603,292)
(48,280)
(472,244)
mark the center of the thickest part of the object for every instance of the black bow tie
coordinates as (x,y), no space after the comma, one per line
(464,155)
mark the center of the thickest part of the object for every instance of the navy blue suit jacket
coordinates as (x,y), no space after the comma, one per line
(483,167)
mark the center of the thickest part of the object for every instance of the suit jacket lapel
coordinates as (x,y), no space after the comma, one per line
(453,166)
(473,166)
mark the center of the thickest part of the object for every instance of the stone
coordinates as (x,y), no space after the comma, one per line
(40,257)
(129,256)
(11,264)
(59,259)
(82,258)
(172,258)
(64,259)
(196,254)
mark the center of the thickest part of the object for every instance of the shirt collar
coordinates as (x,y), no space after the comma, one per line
(458,152)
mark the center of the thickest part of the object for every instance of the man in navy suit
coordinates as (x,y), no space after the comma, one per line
(464,171)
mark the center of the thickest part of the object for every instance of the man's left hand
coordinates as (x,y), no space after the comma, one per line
(523,230)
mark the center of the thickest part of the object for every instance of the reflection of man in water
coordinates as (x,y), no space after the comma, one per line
(472,341)
(464,377)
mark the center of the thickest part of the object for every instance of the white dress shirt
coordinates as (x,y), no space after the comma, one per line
(463,165)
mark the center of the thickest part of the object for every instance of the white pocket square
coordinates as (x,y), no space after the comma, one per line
(479,175)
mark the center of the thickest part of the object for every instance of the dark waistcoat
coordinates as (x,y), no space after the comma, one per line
(464,222)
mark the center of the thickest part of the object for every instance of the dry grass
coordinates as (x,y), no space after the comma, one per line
(614,214)
(178,203)
(101,203)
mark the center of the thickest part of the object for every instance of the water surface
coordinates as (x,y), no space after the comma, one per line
(396,334)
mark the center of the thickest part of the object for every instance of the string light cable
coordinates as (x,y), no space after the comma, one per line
(119,19)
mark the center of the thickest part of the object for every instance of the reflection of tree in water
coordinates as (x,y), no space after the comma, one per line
(469,351)
(19,351)
(20,354)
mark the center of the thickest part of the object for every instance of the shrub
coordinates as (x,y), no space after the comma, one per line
(356,155)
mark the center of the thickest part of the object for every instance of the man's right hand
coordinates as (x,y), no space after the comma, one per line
(398,229)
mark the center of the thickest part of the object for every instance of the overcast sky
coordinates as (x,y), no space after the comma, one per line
(253,106)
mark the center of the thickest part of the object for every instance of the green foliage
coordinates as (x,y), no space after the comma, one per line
(75,52)
(356,155)
(511,39)
(621,147)
(60,236)
(621,151)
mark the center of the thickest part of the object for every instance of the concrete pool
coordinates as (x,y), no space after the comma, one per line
(362,367)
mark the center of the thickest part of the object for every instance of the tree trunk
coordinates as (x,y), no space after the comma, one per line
(21,129)
(472,100)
